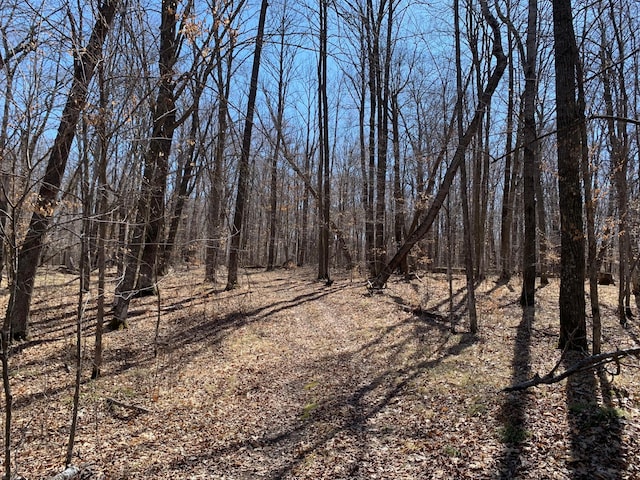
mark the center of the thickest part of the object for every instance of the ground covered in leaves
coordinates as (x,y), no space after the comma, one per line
(287,378)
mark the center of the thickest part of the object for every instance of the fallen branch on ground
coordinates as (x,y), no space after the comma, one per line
(68,473)
(588,363)
(112,401)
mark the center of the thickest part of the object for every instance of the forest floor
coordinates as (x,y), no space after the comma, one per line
(286,378)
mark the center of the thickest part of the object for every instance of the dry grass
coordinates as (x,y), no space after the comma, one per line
(287,378)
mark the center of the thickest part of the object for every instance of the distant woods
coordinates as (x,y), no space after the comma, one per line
(388,135)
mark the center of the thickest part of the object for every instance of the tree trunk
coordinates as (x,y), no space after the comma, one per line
(304,233)
(223,83)
(324,200)
(150,217)
(29,255)
(527,297)
(186,184)
(466,220)
(506,215)
(282,90)
(617,132)
(573,334)
(243,170)
(398,194)
(102,212)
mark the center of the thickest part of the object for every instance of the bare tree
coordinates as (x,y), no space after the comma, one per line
(150,208)
(466,221)
(472,129)
(243,169)
(527,297)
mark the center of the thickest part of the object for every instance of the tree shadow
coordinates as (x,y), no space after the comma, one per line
(513,413)
(595,428)
(214,330)
(344,412)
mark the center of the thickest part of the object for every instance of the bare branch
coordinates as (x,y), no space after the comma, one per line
(588,363)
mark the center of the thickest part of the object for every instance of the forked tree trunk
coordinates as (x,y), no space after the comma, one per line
(150,212)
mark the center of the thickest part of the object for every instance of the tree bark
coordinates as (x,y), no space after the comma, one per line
(506,214)
(398,194)
(223,82)
(466,220)
(282,90)
(573,334)
(527,297)
(324,190)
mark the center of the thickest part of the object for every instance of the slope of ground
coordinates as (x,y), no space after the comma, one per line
(286,378)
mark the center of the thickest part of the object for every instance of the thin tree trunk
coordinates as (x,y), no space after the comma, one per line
(324,202)
(619,152)
(466,221)
(527,297)
(243,170)
(216,196)
(273,213)
(398,195)
(102,225)
(541,221)
(506,212)
(304,234)
(186,184)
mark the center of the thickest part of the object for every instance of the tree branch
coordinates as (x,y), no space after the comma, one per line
(588,363)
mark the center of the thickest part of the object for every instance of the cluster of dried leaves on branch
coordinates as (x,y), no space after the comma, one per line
(288,378)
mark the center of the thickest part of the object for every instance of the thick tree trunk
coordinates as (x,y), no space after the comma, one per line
(150,217)
(573,331)
(29,255)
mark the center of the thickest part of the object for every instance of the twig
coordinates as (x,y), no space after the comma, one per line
(588,363)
